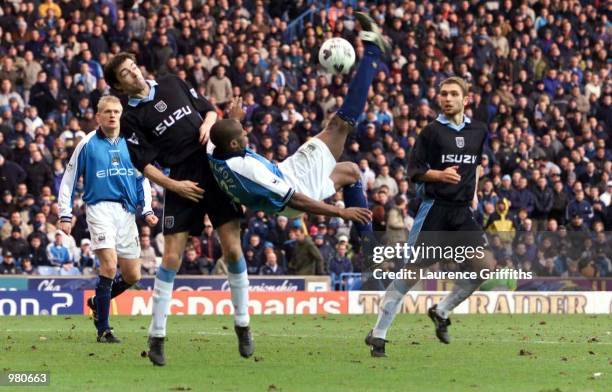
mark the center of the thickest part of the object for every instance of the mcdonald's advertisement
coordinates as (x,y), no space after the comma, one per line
(139,302)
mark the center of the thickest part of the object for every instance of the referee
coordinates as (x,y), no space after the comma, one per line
(444,164)
(166,122)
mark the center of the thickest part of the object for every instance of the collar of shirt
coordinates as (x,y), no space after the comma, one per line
(102,135)
(443,120)
(227,155)
(134,101)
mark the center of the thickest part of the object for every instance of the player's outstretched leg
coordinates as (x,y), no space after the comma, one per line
(229,234)
(335,133)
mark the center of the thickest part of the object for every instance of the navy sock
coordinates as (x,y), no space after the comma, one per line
(103,297)
(354,196)
(119,286)
(355,99)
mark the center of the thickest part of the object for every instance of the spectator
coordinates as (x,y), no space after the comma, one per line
(194,265)
(16,244)
(58,254)
(306,259)
(8,267)
(147,255)
(271,266)
(219,87)
(11,174)
(26,266)
(340,263)
(38,252)
(85,258)
(15,221)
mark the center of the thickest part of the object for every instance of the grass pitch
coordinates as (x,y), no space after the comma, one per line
(317,353)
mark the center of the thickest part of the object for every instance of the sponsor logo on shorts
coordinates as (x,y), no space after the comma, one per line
(161,106)
(101,237)
(169,222)
(460,141)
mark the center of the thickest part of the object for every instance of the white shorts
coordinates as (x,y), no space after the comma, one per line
(308,172)
(111,226)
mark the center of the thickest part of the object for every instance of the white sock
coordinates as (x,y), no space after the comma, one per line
(239,286)
(389,306)
(462,289)
(162,295)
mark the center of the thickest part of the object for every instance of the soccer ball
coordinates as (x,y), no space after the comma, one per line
(337,56)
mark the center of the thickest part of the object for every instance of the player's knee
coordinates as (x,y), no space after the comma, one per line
(232,253)
(337,124)
(131,277)
(353,172)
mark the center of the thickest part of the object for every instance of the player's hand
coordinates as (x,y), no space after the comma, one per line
(450,175)
(204,132)
(66,227)
(235,109)
(356,214)
(151,220)
(189,190)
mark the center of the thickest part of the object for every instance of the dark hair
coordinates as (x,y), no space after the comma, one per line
(110,69)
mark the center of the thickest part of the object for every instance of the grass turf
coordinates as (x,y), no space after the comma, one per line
(318,353)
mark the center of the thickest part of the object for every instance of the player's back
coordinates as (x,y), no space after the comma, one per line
(251,180)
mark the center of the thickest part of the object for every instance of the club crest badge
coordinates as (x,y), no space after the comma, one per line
(161,106)
(169,222)
(460,141)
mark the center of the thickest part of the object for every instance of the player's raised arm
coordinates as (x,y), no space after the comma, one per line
(304,203)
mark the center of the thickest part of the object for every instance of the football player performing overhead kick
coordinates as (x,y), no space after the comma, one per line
(445,165)
(312,174)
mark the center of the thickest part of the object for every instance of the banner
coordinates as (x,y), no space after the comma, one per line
(489,302)
(13,283)
(220,303)
(536,284)
(190,283)
(26,303)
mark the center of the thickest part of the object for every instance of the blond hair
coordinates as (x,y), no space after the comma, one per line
(106,100)
(458,81)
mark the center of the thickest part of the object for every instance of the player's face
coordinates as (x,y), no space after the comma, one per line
(243,140)
(109,115)
(451,99)
(130,78)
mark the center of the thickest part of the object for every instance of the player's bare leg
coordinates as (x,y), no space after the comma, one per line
(345,173)
(229,235)
(174,244)
(108,269)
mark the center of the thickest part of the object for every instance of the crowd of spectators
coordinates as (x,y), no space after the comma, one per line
(539,73)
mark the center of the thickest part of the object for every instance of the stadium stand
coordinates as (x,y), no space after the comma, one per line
(540,79)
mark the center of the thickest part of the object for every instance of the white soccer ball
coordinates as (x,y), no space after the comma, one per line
(337,56)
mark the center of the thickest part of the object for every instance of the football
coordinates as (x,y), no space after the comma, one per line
(337,56)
